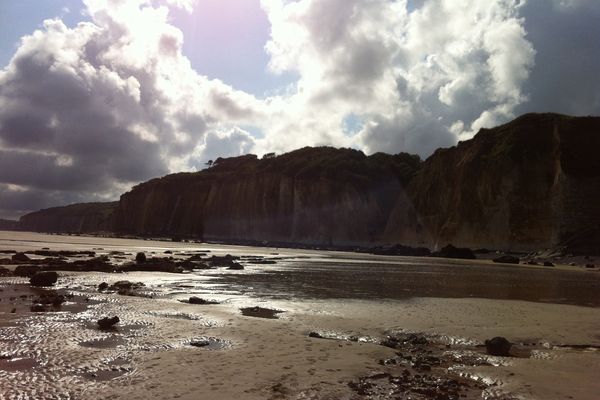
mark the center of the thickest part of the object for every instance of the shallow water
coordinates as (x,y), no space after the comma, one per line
(308,274)
(63,354)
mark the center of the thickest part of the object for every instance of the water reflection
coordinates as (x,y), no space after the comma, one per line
(338,280)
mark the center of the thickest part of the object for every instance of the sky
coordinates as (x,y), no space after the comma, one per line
(99,95)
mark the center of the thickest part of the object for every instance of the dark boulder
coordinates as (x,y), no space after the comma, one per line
(498,346)
(102,287)
(140,258)
(222,261)
(5,271)
(400,250)
(590,266)
(50,298)
(235,266)
(20,257)
(156,264)
(450,251)
(46,278)
(125,288)
(37,307)
(507,260)
(200,343)
(107,323)
(26,271)
(548,264)
(198,300)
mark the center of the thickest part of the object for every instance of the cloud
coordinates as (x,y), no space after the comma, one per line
(413,77)
(87,111)
(564,34)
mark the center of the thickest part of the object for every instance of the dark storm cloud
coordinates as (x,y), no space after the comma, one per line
(566,37)
(14,202)
(86,112)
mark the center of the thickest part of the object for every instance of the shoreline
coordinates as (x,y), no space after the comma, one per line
(560,261)
(150,355)
(328,347)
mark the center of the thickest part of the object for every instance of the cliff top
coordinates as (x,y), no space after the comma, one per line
(74,210)
(307,163)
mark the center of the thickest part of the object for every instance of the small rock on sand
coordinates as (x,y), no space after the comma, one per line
(548,264)
(107,323)
(200,343)
(507,260)
(198,300)
(46,278)
(140,258)
(498,346)
(26,270)
(20,257)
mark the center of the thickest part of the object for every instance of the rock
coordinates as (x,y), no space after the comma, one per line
(125,288)
(168,252)
(122,285)
(20,257)
(199,343)
(498,346)
(572,264)
(235,266)
(198,300)
(157,264)
(590,266)
(450,251)
(37,307)
(548,264)
(140,258)
(62,253)
(316,335)
(46,278)
(50,298)
(507,260)
(400,250)
(5,271)
(102,287)
(531,262)
(26,271)
(107,323)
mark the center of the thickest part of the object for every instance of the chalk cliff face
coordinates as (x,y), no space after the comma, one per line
(76,218)
(312,195)
(532,183)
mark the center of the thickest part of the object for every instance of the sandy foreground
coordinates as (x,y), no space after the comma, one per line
(62,354)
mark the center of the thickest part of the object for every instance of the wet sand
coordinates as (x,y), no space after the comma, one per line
(165,348)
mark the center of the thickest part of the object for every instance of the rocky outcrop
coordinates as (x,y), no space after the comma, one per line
(532,183)
(75,218)
(322,196)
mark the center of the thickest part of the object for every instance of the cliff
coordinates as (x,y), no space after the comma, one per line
(8,225)
(75,218)
(532,183)
(312,195)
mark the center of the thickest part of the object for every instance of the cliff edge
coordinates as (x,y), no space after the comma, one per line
(529,184)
